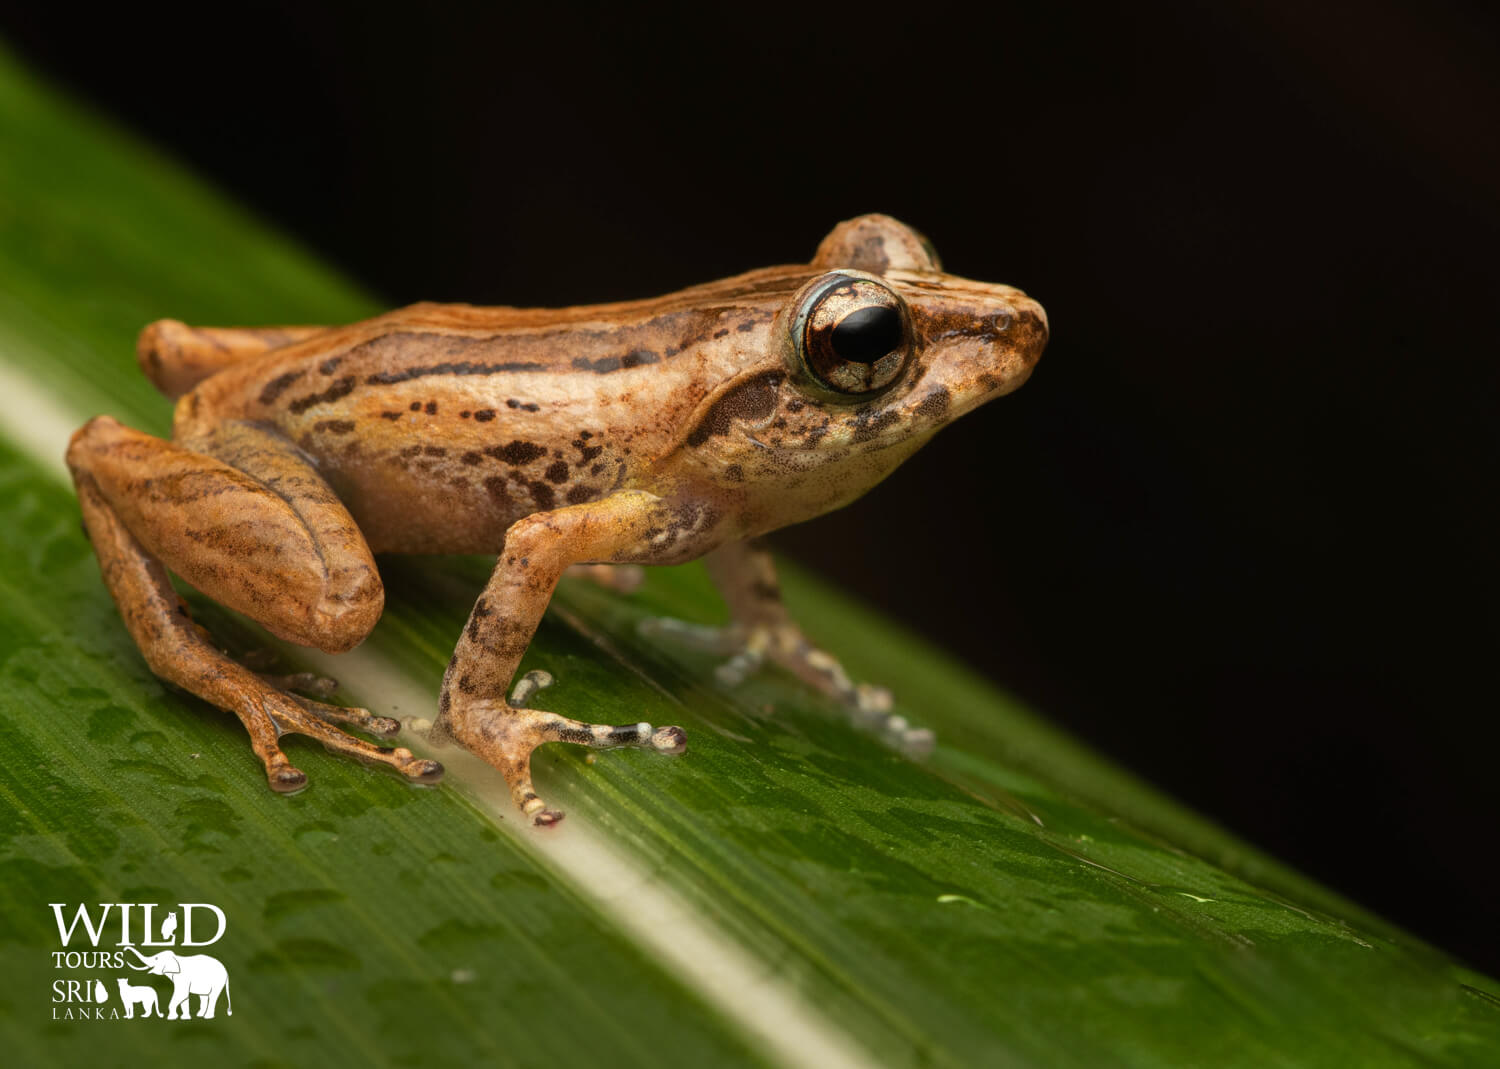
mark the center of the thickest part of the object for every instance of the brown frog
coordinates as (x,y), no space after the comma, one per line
(644,432)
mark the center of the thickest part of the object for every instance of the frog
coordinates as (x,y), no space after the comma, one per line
(643,432)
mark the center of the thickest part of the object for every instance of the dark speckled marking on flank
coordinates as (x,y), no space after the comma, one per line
(333,426)
(753,400)
(431,408)
(277,386)
(586,452)
(342,388)
(495,486)
(416,406)
(721,333)
(471,458)
(517,452)
(557,472)
(329,366)
(577,495)
(935,404)
(391,415)
(484,415)
(524,406)
(542,494)
(747,325)
(434,451)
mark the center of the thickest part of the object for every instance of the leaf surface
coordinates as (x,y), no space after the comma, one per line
(790,891)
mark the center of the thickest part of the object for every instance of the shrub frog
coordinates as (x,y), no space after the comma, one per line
(643,432)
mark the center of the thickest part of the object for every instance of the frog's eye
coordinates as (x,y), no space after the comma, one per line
(852,334)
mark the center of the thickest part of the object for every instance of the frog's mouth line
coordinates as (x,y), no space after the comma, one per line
(908,419)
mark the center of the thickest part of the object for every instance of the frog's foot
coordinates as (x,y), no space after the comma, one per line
(505,734)
(623,578)
(295,715)
(383,726)
(748,648)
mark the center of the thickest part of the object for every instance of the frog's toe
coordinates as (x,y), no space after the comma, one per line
(669,740)
(285,779)
(383,726)
(527,687)
(423,770)
(915,743)
(691,636)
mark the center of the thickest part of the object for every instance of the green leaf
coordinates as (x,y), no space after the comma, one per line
(788,892)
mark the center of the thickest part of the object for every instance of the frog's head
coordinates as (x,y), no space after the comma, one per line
(874,351)
(892,348)
(882,347)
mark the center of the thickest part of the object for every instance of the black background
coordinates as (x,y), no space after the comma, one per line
(1236,531)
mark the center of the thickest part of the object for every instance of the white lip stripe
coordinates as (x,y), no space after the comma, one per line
(767,1009)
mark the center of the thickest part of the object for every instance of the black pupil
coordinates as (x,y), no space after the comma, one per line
(865,335)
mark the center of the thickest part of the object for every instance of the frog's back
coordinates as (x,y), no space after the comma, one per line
(435,411)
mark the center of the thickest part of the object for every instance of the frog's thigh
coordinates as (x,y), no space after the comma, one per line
(253,526)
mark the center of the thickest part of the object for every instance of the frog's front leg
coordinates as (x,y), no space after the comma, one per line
(537,550)
(760,629)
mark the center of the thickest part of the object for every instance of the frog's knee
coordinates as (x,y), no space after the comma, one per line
(90,439)
(159,352)
(340,619)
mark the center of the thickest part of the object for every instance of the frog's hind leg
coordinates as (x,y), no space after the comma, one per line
(257,531)
(176,357)
(761,630)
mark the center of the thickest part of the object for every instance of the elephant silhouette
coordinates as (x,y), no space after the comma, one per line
(191,974)
(143,996)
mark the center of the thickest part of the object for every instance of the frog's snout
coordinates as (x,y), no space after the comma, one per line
(980,355)
(1031,318)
